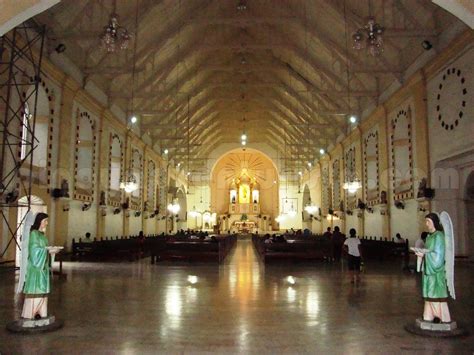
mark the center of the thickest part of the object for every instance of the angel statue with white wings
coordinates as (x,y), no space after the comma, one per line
(438,267)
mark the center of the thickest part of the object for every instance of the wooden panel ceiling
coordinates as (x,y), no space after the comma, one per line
(286,66)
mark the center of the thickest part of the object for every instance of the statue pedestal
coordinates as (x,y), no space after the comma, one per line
(438,330)
(29,326)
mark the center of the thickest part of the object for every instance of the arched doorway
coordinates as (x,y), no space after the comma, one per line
(469,201)
(36,205)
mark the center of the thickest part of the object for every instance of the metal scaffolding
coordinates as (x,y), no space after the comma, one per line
(21,53)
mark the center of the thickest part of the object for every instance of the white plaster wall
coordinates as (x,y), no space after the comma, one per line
(135,224)
(373,224)
(113,224)
(162,226)
(405,221)
(77,227)
(351,222)
(150,225)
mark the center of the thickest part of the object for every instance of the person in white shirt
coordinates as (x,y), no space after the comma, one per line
(353,250)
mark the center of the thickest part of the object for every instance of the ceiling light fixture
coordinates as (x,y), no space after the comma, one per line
(242,5)
(370,37)
(114,36)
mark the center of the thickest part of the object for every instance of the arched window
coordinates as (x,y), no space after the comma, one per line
(115,169)
(38,146)
(85,157)
(26,131)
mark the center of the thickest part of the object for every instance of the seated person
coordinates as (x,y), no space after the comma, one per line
(398,239)
(400,248)
(87,239)
(279,239)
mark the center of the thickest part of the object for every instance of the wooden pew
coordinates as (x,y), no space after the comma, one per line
(196,249)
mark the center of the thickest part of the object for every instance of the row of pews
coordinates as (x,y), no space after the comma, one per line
(158,247)
(315,247)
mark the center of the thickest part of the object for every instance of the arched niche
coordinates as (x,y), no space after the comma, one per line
(84,167)
(401,157)
(255,165)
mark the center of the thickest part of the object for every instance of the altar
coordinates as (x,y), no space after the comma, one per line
(245,226)
(244,213)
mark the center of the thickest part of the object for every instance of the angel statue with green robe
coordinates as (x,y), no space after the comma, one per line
(438,267)
(34,270)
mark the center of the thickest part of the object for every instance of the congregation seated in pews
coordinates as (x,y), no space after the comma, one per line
(297,246)
(184,245)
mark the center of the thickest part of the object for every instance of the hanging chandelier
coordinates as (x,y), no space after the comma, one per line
(280,218)
(369,36)
(114,36)
(352,186)
(129,184)
(310,207)
(174,207)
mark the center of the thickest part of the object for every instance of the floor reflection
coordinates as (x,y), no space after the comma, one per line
(240,306)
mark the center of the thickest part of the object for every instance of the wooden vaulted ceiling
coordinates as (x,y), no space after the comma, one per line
(203,66)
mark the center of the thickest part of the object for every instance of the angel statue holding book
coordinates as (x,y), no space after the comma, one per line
(437,267)
(34,280)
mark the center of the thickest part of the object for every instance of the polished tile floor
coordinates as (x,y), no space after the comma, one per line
(240,306)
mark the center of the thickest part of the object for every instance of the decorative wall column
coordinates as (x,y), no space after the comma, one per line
(422,157)
(384,176)
(61,209)
(102,174)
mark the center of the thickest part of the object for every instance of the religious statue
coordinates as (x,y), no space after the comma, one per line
(383,197)
(34,279)
(438,267)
